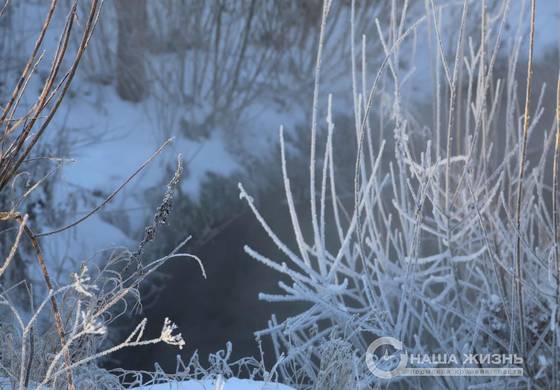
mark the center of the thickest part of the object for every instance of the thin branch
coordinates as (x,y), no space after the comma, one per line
(522,161)
(56,312)
(111,196)
(555,192)
(22,224)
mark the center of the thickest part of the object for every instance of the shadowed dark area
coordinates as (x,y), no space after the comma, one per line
(225,307)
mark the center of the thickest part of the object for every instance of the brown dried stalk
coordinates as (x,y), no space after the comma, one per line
(21,145)
(111,196)
(518,284)
(19,149)
(54,306)
(555,193)
(22,219)
(23,222)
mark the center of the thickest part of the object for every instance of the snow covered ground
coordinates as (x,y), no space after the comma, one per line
(116,138)
(230,384)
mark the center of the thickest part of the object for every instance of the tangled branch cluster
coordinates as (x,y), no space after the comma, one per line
(451,242)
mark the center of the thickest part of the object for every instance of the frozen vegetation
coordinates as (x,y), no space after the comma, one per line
(422,192)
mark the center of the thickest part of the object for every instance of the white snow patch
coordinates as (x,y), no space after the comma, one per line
(230,384)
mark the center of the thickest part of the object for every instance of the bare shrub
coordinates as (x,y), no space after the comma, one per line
(57,335)
(445,247)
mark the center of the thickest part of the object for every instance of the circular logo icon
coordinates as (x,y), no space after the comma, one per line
(386,366)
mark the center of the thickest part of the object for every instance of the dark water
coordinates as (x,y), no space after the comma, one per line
(225,307)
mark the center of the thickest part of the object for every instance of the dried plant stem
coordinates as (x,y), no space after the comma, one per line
(452,98)
(56,312)
(26,140)
(27,70)
(555,312)
(15,245)
(314,219)
(518,288)
(40,258)
(111,196)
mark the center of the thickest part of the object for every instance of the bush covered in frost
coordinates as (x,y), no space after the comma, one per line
(449,242)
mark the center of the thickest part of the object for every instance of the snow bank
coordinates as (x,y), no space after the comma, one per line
(230,384)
